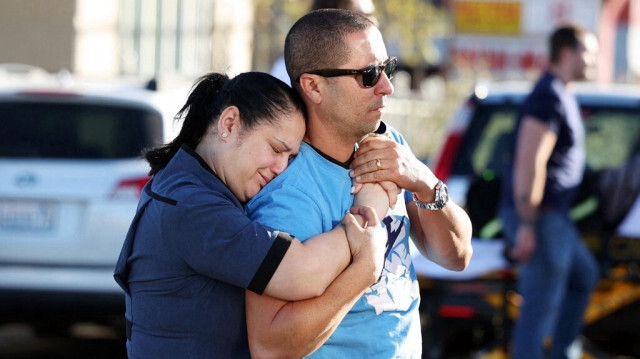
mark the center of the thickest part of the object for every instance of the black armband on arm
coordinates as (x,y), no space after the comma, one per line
(270,263)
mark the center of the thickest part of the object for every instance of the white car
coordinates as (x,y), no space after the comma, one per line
(71,173)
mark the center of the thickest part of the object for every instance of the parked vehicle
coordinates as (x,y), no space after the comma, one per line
(71,173)
(472,161)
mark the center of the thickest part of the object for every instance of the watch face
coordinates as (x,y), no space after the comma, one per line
(444,196)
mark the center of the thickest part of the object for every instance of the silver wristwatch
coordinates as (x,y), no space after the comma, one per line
(442,197)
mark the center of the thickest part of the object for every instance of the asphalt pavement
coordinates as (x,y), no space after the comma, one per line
(19,341)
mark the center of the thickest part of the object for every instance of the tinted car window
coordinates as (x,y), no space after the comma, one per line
(486,149)
(55,130)
(612,137)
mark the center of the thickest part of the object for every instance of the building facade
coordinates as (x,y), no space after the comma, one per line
(140,38)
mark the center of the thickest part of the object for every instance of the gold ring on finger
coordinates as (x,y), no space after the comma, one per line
(379,165)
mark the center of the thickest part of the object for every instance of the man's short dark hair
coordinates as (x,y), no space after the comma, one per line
(333,4)
(317,40)
(564,36)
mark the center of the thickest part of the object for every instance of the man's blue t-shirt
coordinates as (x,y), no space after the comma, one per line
(188,257)
(551,103)
(311,197)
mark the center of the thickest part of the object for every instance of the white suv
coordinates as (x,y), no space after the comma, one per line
(71,173)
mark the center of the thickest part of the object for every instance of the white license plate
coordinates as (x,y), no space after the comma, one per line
(20,215)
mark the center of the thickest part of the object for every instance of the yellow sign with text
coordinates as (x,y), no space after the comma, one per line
(487,17)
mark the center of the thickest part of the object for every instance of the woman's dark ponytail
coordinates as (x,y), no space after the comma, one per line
(200,110)
(259,97)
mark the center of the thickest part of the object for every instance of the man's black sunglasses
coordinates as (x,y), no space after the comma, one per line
(370,75)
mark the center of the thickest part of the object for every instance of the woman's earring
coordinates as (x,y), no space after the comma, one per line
(224,135)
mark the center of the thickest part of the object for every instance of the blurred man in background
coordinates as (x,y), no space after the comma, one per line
(557,271)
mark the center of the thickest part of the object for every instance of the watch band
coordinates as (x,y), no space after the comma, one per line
(442,197)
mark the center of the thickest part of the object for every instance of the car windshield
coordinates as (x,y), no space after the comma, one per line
(612,137)
(487,147)
(76,131)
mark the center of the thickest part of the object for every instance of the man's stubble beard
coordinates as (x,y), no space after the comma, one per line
(352,131)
